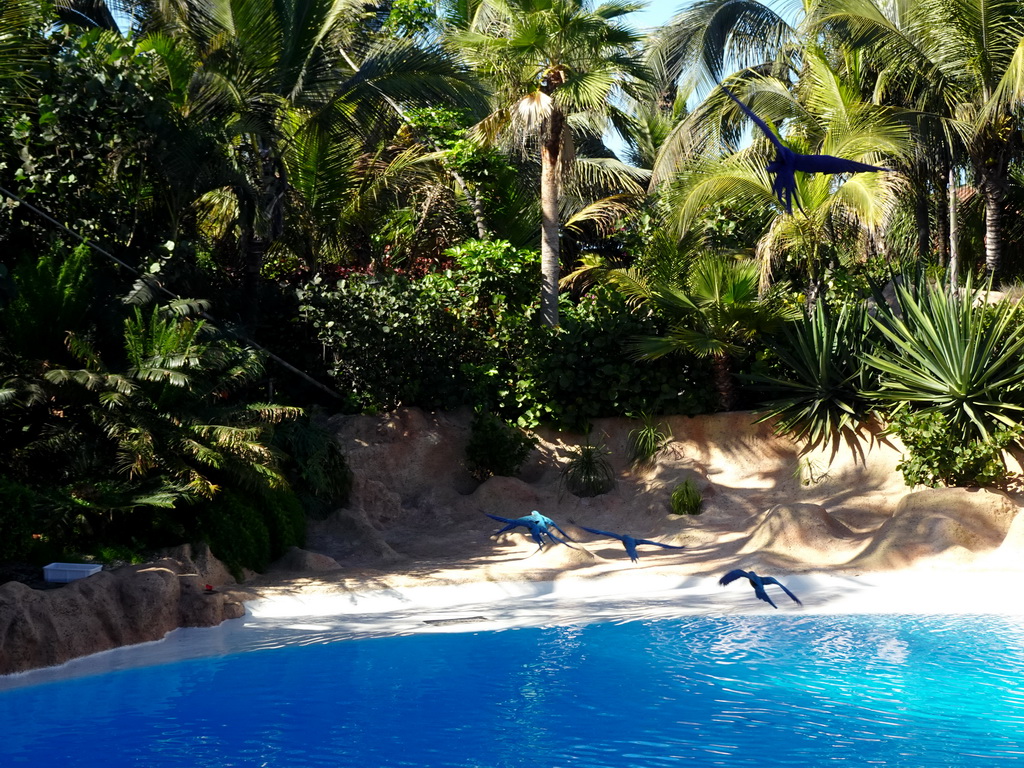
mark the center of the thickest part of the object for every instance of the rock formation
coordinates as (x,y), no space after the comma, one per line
(133,604)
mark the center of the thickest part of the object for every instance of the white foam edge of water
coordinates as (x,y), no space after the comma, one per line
(312,618)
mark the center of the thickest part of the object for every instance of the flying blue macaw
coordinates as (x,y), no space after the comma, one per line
(537,524)
(758,583)
(630,542)
(787,162)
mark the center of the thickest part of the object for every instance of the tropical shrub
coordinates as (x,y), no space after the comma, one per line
(953,354)
(440,342)
(314,464)
(19,519)
(819,391)
(53,295)
(646,440)
(496,447)
(585,369)
(588,471)
(687,499)
(938,455)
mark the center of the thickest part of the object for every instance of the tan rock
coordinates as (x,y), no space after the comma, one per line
(302,561)
(803,532)
(927,523)
(129,605)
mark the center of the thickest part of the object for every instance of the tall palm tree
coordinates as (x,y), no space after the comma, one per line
(271,74)
(960,60)
(554,65)
(821,117)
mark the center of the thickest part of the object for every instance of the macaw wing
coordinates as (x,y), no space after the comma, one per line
(560,541)
(831,164)
(554,525)
(773,580)
(500,519)
(760,123)
(732,575)
(762,595)
(598,532)
(659,544)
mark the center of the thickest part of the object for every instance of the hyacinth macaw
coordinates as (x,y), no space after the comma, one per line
(630,543)
(787,162)
(537,524)
(758,583)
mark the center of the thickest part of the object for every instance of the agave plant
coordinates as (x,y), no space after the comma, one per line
(588,472)
(823,397)
(954,354)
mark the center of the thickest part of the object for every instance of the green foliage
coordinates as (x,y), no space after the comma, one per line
(496,448)
(687,499)
(938,455)
(446,340)
(410,17)
(81,148)
(236,531)
(952,354)
(251,531)
(53,296)
(392,342)
(588,471)
(647,440)
(315,464)
(20,508)
(585,370)
(820,393)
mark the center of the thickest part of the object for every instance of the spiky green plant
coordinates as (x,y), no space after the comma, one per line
(588,471)
(822,394)
(954,354)
(687,499)
(647,440)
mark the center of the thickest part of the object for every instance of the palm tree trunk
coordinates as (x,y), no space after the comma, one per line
(954,233)
(721,366)
(991,163)
(550,193)
(924,236)
(995,197)
(939,179)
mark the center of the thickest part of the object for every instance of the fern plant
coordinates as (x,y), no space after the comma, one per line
(588,471)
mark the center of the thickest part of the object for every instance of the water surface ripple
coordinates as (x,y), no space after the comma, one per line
(747,690)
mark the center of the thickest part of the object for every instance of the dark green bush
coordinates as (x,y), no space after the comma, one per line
(496,448)
(251,531)
(937,453)
(18,519)
(587,370)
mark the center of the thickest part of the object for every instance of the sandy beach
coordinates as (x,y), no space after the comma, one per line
(416,518)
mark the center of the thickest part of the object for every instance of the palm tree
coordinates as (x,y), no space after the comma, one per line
(714,313)
(823,116)
(554,65)
(959,60)
(276,78)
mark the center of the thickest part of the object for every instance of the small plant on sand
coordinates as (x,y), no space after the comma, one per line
(646,440)
(588,472)
(811,472)
(687,499)
(496,448)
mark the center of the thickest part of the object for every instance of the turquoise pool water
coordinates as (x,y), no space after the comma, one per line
(744,690)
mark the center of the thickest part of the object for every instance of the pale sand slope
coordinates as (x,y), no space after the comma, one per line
(416,515)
